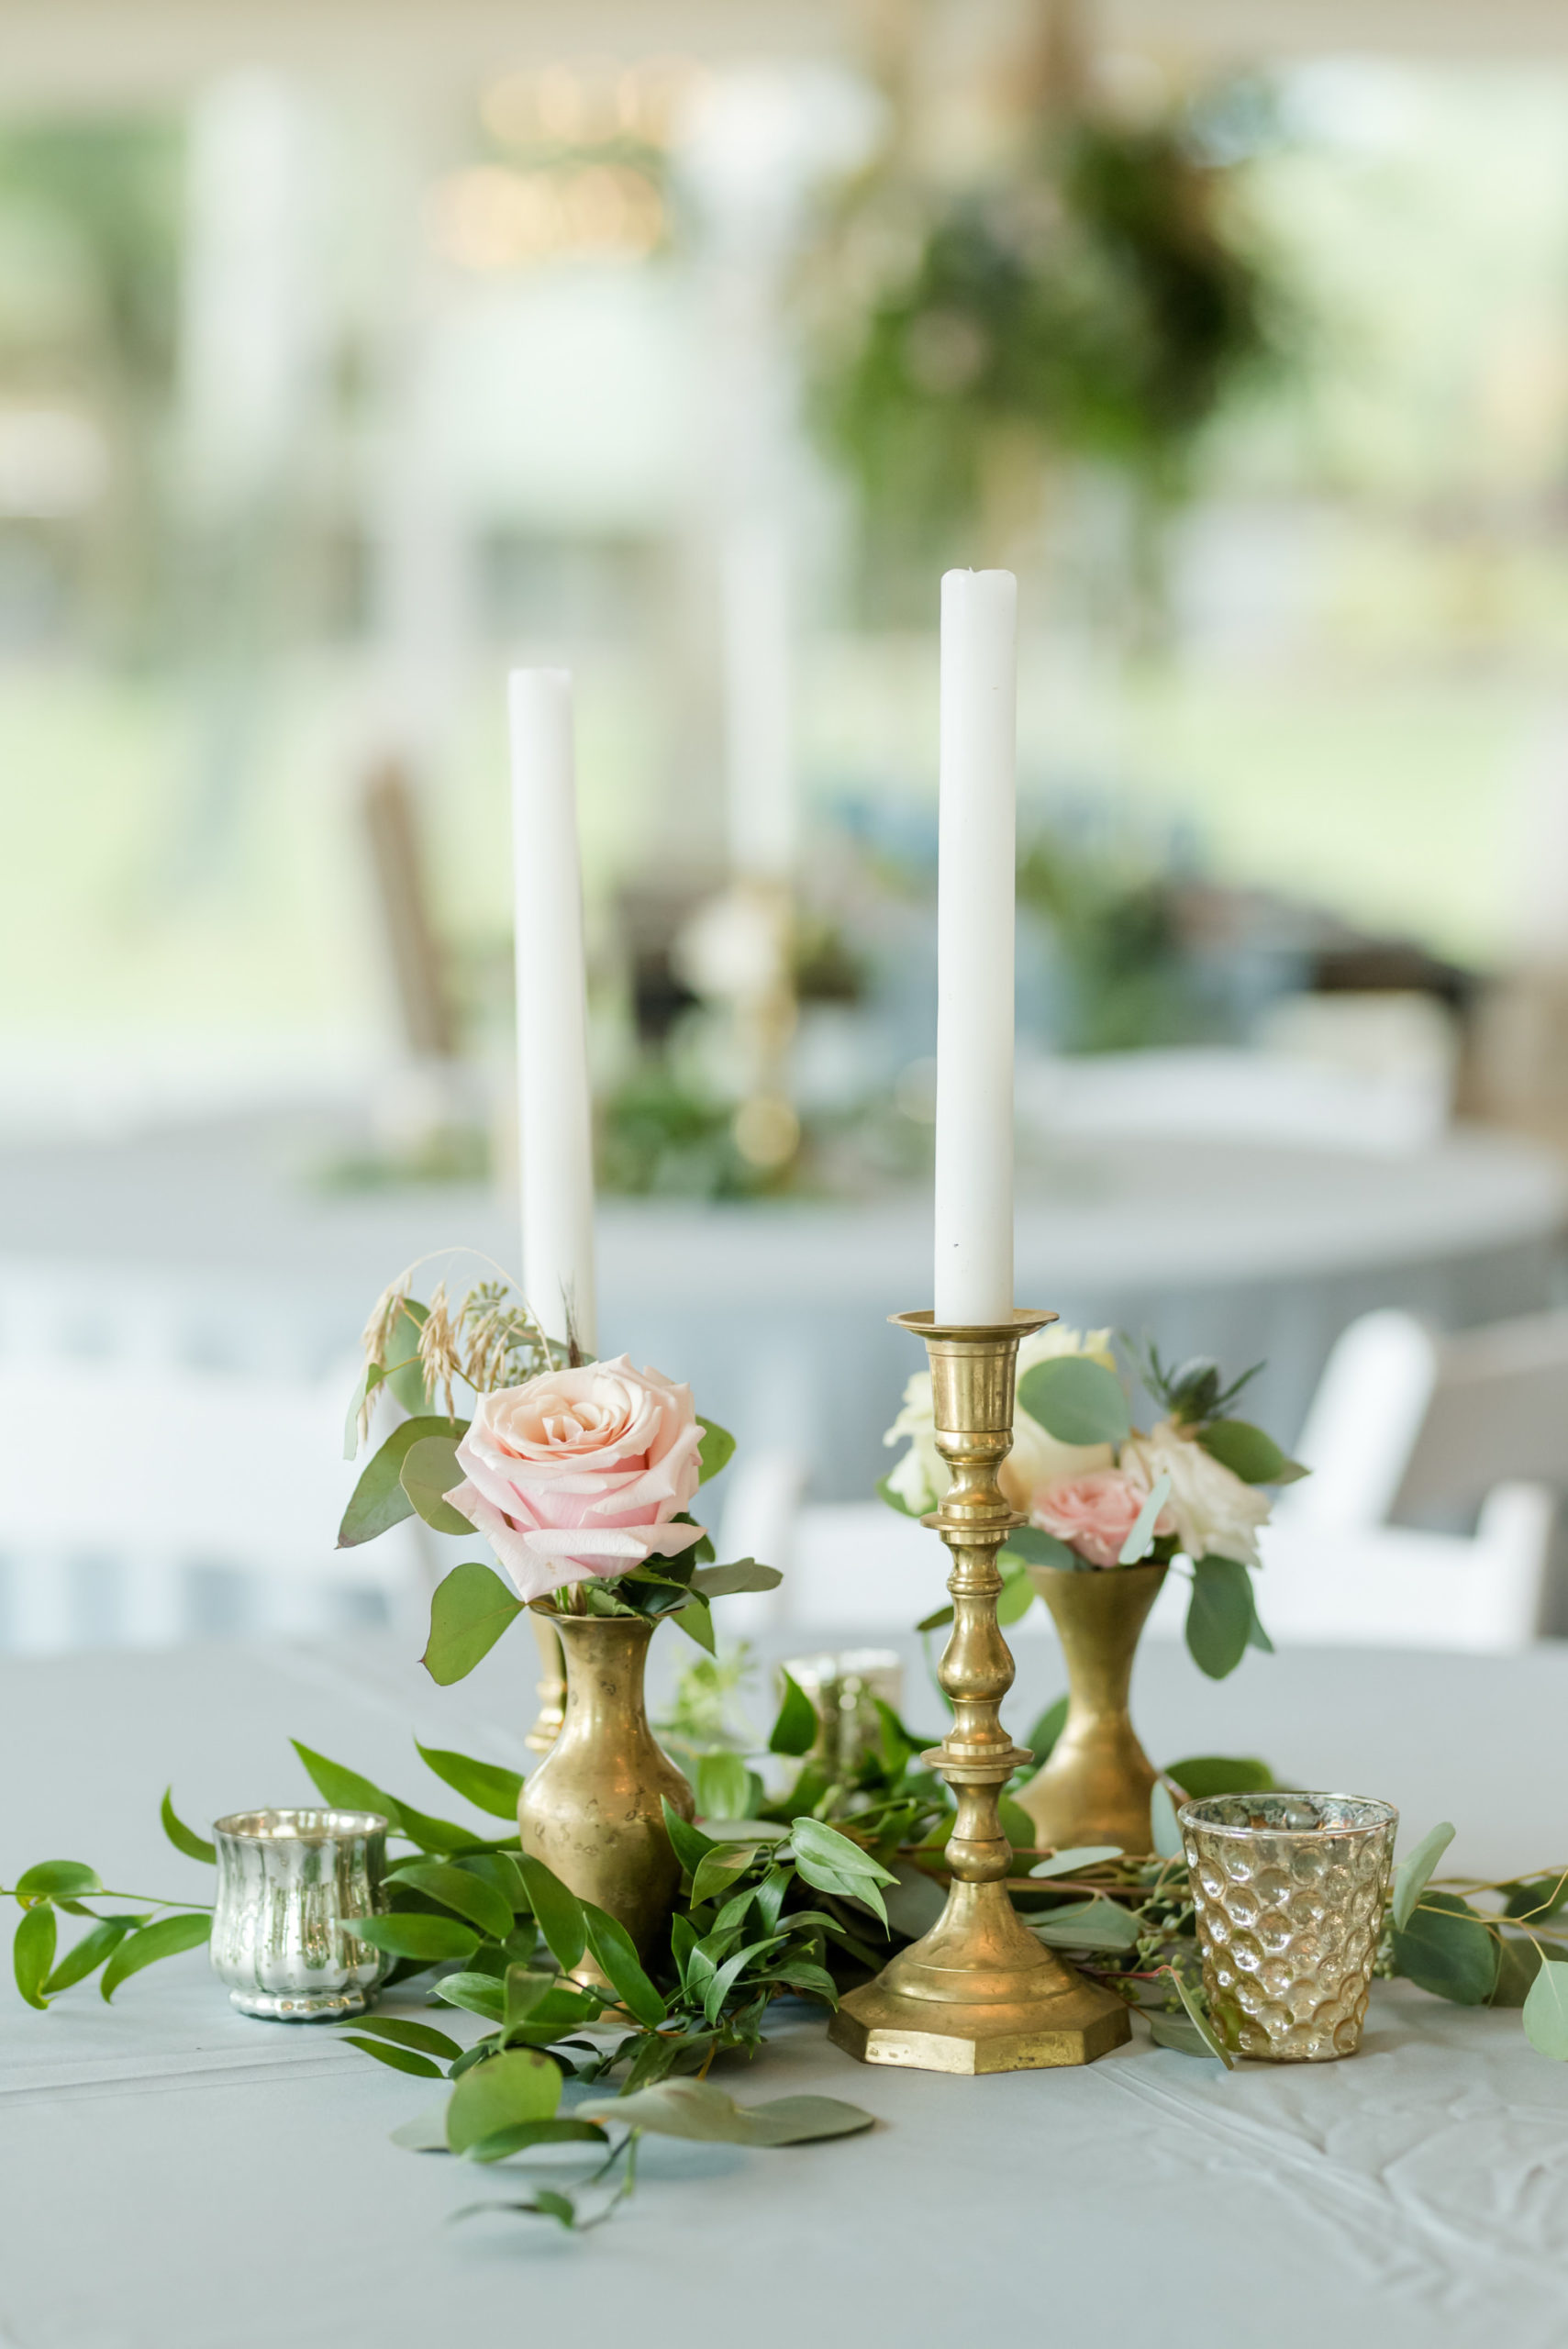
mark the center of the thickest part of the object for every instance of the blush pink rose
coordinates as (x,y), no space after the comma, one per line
(575,1476)
(1093,1514)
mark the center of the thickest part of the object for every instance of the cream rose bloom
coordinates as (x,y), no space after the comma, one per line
(1216,1514)
(921,1477)
(575,1476)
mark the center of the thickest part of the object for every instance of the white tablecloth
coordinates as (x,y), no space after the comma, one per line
(212,1244)
(175,2176)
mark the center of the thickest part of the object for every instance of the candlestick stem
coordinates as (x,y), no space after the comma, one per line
(979,1992)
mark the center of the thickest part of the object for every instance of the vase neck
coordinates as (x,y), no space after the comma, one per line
(606,1662)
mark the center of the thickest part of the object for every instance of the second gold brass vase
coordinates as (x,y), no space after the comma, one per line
(1096,1786)
(593,1810)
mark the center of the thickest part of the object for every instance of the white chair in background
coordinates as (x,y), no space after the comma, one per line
(1473,1426)
(128,1490)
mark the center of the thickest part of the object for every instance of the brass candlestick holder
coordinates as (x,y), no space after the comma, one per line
(979,1993)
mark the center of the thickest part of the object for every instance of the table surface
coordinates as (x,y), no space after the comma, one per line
(241,1195)
(175,2176)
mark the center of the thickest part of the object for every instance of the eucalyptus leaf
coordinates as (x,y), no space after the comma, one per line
(937,1621)
(1203,2023)
(795,1730)
(696,1619)
(1140,1538)
(1091,1924)
(488,1785)
(378,1501)
(1203,1774)
(1163,1827)
(426,2133)
(520,2086)
(1545,2015)
(405,1372)
(57,1880)
(525,2134)
(559,1914)
(1082,1855)
(365,1391)
(1447,1949)
(746,1574)
(428,1473)
(429,1939)
(696,2110)
(455,1888)
(717,1449)
(166,1938)
(471,1608)
(1219,1615)
(1034,1547)
(32,1953)
(1181,2033)
(1076,1399)
(1249,1454)
(1412,1874)
(1017,1825)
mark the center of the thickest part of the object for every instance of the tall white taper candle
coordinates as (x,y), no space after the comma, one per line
(974,948)
(554,1116)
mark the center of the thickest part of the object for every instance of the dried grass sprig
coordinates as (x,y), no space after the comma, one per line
(440,1358)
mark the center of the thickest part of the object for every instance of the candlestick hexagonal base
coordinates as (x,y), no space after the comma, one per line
(1072,2025)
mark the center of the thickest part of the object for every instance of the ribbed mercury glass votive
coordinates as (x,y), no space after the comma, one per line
(1290,1891)
(285,1881)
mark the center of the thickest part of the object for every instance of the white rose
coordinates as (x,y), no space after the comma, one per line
(921,1477)
(1216,1515)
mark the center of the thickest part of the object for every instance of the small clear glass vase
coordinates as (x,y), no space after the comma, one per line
(289,1884)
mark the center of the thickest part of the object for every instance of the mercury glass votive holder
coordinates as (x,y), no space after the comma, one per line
(289,1884)
(1289,1890)
(843,1687)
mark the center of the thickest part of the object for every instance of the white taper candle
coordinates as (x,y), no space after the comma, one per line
(554,1109)
(974,948)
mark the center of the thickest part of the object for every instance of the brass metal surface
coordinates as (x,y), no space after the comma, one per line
(592,1810)
(1096,1786)
(979,1992)
(551,1687)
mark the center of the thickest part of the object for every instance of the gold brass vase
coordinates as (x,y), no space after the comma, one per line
(979,1992)
(593,1809)
(1096,1786)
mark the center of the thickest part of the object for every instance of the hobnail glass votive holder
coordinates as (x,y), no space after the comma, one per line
(843,1687)
(289,1884)
(1289,1890)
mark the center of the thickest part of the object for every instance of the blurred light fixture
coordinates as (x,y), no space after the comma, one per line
(53,463)
(491,218)
(589,101)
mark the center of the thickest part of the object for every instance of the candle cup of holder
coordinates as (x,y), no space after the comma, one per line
(845,1689)
(593,1810)
(979,1992)
(1290,1891)
(289,1884)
